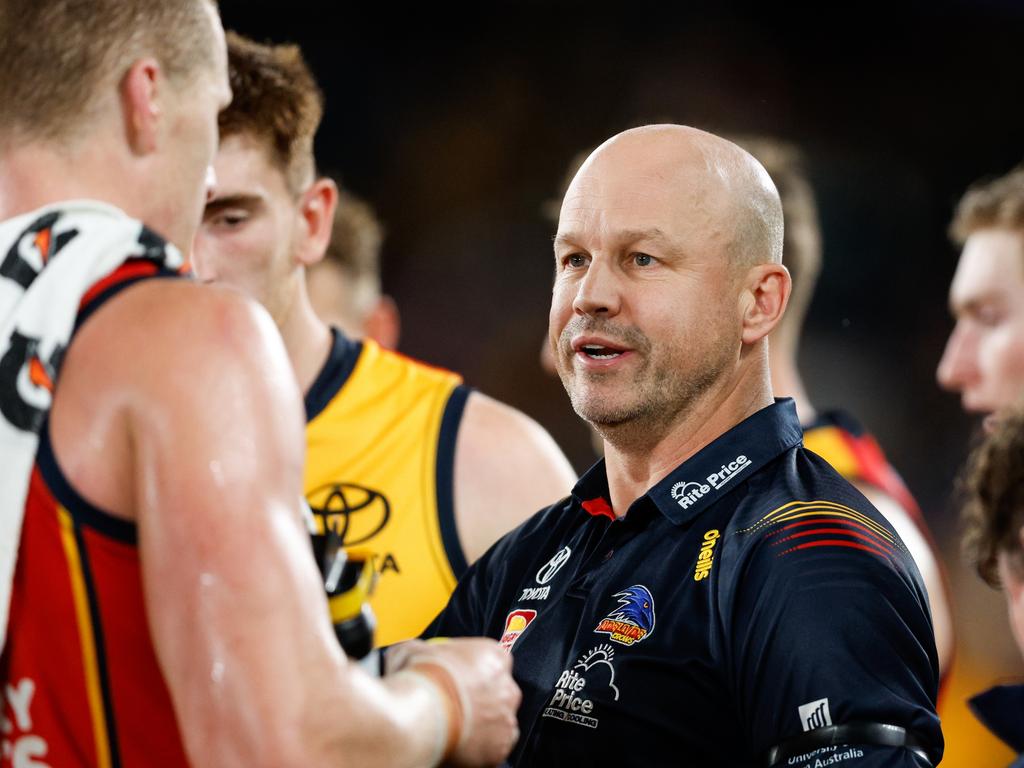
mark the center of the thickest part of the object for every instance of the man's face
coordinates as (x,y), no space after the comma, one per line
(984,357)
(192,109)
(644,312)
(250,226)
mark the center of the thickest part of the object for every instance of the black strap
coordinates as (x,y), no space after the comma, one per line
(852,734)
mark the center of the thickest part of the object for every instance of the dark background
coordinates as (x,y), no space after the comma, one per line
(458,126)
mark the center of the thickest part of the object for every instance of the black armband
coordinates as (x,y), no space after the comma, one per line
(848,734)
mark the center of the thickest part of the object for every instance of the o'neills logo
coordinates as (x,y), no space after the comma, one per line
(706,558)
(688,494)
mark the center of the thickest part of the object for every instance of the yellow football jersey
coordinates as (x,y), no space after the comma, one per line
(380,440)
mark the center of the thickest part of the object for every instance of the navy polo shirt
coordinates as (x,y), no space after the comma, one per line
(750,596)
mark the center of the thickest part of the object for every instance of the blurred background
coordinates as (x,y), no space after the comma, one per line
(459,126)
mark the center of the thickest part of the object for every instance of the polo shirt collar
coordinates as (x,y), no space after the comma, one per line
(711,472)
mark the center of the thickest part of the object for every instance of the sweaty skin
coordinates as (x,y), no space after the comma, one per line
(176,409)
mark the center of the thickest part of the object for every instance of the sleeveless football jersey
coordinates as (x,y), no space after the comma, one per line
(380,445)
(80,678)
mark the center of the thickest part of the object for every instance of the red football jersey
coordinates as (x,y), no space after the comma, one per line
(81,682)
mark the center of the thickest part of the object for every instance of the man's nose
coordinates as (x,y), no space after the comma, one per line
(957,364)
(599,291)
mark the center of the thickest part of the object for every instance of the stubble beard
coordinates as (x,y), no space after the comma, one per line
(663,391)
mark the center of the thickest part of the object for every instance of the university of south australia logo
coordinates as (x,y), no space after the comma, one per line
(814,715)
(633,620)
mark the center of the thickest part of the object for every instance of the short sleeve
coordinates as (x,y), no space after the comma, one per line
(833,635)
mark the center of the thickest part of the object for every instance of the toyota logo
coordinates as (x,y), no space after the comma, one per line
(548,571)
(355,513)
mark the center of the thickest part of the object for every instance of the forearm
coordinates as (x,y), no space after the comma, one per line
(313,709)
(258,679)
(402,720)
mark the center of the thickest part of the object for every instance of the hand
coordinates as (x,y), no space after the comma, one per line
(481,678)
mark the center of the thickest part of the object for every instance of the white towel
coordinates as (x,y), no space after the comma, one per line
(49,259)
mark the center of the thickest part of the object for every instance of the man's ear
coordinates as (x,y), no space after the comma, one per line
(141,91)
(763,300)
(316,209)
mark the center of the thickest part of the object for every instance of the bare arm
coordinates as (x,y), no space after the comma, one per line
(931,570)
(234,601)
(506,468)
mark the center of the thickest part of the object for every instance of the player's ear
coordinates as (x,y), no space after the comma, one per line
(316,210)
(766,290)
(140,91)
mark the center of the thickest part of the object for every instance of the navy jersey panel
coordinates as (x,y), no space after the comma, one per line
(749,597)
(833,598)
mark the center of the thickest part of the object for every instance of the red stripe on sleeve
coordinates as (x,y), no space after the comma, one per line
(873,541)
(830,521)
(835,543)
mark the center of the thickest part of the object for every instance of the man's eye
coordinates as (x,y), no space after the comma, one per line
(988,316)
(642,259)
(229,219)
(576,260)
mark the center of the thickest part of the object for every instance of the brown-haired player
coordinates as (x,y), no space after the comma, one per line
(164,608)
(994,542)
(411,464)
(984,357)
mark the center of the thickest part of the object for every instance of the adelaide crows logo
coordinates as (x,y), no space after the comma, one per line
(633,620)
(355,513)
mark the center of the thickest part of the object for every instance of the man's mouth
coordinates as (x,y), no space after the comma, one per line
(598,352)
(598,349)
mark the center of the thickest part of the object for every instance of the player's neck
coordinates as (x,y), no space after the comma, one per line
(34,175)
(634,467)
(307,339)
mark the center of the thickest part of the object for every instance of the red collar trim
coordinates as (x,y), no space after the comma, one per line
(599,508)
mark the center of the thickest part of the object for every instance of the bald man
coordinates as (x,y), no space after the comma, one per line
(711,593)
